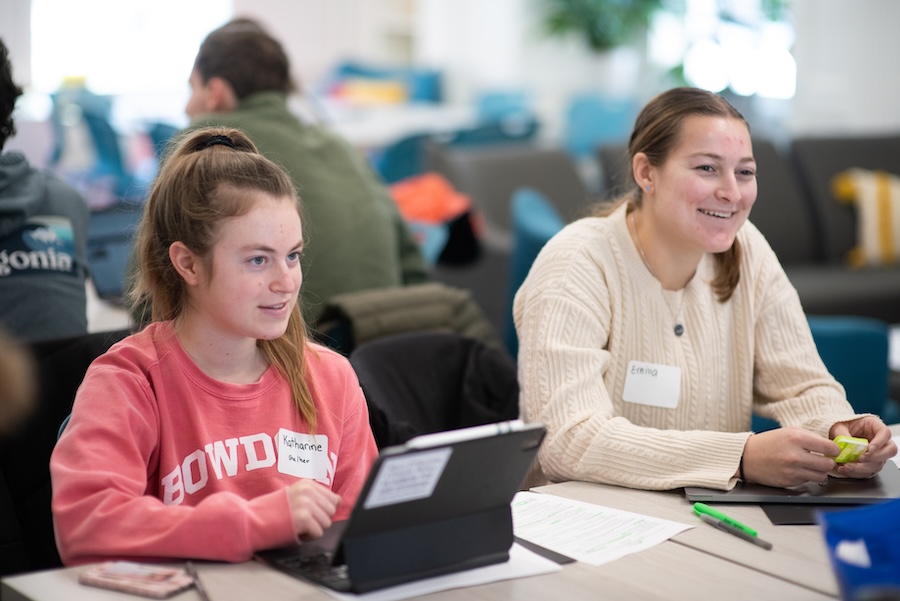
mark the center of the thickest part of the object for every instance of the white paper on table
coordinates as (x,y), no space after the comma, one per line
(522,563)
(584,531)
(896,458)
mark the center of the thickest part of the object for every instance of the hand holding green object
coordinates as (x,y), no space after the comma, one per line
(851,448)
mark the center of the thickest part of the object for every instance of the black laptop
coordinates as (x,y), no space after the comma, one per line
(438,504)
(836,491)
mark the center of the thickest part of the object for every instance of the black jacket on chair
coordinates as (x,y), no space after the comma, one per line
(422,382)
(26,526)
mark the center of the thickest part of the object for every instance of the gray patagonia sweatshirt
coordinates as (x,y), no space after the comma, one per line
(43,252)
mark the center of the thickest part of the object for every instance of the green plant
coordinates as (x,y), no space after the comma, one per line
(775,10)
(603,24)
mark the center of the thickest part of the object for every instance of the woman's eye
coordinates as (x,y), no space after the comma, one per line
(748,172)
(294,256)
(258,260)
(706,168)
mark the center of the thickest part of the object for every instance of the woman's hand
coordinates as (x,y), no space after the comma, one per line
(312,506)
(786,457)
(881,446)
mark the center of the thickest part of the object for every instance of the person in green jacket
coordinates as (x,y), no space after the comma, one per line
(355,236)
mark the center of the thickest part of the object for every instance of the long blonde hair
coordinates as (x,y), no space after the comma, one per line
(656,133)
(191,197)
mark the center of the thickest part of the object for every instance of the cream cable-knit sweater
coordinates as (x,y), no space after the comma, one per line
(589,306)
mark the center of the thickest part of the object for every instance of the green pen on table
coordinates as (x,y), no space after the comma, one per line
(702,508)
(729,525)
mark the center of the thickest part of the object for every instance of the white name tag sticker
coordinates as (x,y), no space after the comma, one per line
(302,455)
(407,478)
(652,384)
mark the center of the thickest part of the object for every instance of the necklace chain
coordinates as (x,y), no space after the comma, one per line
(679,328)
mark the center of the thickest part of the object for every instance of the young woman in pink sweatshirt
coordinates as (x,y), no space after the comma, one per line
(219,429)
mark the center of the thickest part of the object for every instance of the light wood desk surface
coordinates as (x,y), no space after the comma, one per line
(665,572)
(799,555)
(698,564)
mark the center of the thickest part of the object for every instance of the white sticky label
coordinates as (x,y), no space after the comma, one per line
(652,384)
(854,553)
(407,478)
(302,455)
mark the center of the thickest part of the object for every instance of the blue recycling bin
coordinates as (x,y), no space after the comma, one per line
(864,548)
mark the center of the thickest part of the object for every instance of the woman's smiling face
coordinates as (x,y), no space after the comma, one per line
(705,189)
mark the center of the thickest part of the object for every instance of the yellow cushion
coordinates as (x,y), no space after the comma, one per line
(362,90)
(876,195)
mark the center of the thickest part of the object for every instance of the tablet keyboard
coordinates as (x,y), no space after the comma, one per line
(319,569)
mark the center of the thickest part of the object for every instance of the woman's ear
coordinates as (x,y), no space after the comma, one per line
(642,171)
(186,263)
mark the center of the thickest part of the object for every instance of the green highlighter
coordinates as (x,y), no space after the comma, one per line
(704,509)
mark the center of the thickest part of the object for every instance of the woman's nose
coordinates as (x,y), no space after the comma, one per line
(288,278)
(728,189)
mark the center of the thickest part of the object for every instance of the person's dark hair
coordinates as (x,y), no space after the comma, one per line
(9,91)
(202,182)
(656,133)
(244,54)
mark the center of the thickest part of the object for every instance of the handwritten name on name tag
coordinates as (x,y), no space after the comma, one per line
(652,384)
(302,455)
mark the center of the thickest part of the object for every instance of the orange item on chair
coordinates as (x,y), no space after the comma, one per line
(429,198)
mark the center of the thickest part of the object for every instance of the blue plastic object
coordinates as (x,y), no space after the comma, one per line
(534,221)
(864,549)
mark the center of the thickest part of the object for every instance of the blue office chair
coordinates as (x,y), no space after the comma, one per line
(161,134)
(534,221)
(492,106)
(855,351)
(513,129)
(111,160)
(593,120)
(401,159)
(73,101)
(110,239)
(406,157)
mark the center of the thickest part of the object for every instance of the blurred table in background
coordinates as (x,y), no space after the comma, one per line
(373,127)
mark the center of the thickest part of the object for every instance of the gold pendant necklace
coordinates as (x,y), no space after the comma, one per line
(679,327)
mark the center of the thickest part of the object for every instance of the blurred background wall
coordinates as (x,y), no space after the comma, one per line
(845,52)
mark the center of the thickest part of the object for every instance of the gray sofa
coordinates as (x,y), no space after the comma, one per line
(809,229)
